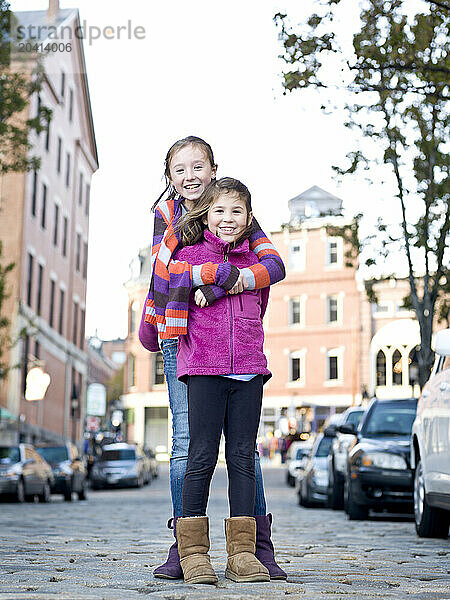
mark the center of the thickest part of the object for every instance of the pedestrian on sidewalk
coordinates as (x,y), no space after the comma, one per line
(189,168)
(221,359)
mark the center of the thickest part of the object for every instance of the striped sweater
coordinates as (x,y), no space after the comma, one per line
(172,280)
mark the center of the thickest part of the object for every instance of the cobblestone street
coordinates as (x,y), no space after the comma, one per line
(108,546)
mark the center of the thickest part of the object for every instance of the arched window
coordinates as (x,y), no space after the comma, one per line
(413,367)
(381,368)
(397,368)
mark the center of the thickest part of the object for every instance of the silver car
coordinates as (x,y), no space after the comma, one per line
(121,465)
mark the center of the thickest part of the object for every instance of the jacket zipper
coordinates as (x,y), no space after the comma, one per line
(225,259)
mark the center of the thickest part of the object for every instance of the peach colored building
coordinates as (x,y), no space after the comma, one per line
(313,320)
(44,228)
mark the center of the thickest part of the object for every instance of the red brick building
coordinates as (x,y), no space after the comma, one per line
(44,228)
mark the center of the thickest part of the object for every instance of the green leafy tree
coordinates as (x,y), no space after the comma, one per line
(5,341)
(16,88)
(397,76)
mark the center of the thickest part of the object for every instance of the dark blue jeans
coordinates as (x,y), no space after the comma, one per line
(178,402)
(217,403)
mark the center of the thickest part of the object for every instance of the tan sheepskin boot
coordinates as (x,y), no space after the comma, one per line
(193,547)
(242,564)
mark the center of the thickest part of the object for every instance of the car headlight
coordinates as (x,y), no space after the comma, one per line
(383,460)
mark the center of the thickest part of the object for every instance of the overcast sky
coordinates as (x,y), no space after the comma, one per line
(209,69)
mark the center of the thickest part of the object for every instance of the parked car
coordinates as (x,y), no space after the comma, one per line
(154,466)
(24,474)
(296,460)
(313,480)
(379,475)
(69,471)
(120,464)
(430,447)
(337,459)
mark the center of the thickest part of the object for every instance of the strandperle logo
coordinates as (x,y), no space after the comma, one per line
(90,33)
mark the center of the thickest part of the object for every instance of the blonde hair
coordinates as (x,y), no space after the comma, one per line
(192,225)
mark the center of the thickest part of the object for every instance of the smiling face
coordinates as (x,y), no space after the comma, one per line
(190,172)
(228,217)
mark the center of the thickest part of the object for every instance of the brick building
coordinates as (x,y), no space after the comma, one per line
(44,228)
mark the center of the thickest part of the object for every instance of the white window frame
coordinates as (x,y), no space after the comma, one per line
(339,253)
(301,264)
(339,306)
(383,314)
(302,301)
(339,354)
(300,354)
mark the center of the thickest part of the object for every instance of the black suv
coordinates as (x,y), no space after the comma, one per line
(379,474)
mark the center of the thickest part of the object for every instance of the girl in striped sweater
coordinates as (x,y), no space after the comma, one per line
(189,168)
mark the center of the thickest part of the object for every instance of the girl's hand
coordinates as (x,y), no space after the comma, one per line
(200,299)
(240,285)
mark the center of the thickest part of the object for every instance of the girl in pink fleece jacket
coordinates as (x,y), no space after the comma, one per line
(222,361)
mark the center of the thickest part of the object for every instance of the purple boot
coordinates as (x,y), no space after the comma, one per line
(264,547)
(171,569)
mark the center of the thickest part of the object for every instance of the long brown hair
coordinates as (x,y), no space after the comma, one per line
(192,226)
(178,145)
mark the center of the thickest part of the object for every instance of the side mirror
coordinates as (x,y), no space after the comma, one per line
(330,431)
(348,428)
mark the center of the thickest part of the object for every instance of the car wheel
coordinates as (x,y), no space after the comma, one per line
(302,500)
(355,511)
(430,521)
(291,480)
(19,496)
(82,494)
(68,492)
(45,496)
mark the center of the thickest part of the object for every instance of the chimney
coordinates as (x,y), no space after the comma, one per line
(53,10)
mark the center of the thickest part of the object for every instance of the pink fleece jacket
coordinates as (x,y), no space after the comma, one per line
(226,337)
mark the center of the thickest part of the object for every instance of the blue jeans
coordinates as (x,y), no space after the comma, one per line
(180,440)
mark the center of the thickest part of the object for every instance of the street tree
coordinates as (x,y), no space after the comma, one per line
(397,78)
(5,340)
(18,82)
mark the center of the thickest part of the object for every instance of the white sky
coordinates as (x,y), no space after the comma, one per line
(209,69)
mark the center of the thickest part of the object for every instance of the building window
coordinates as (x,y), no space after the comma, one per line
(61,311)
(297,256)
(132,319)
(381,368)
(30,278)
(334,365)
(56,226)
(39,289)
(64,244)
(82,327)
(70,104)
(47,136)
(67,169)
(332,309)
(52,303)
(75,323)
(80,190)
(85,259)
(58,156)
(295,311)
(34,194)
(78,253)
(334,252)
(131,370)
(297,366)
(44,206)
(397,368)
(88,199)
(63,84)
(158,374)
(26,347)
